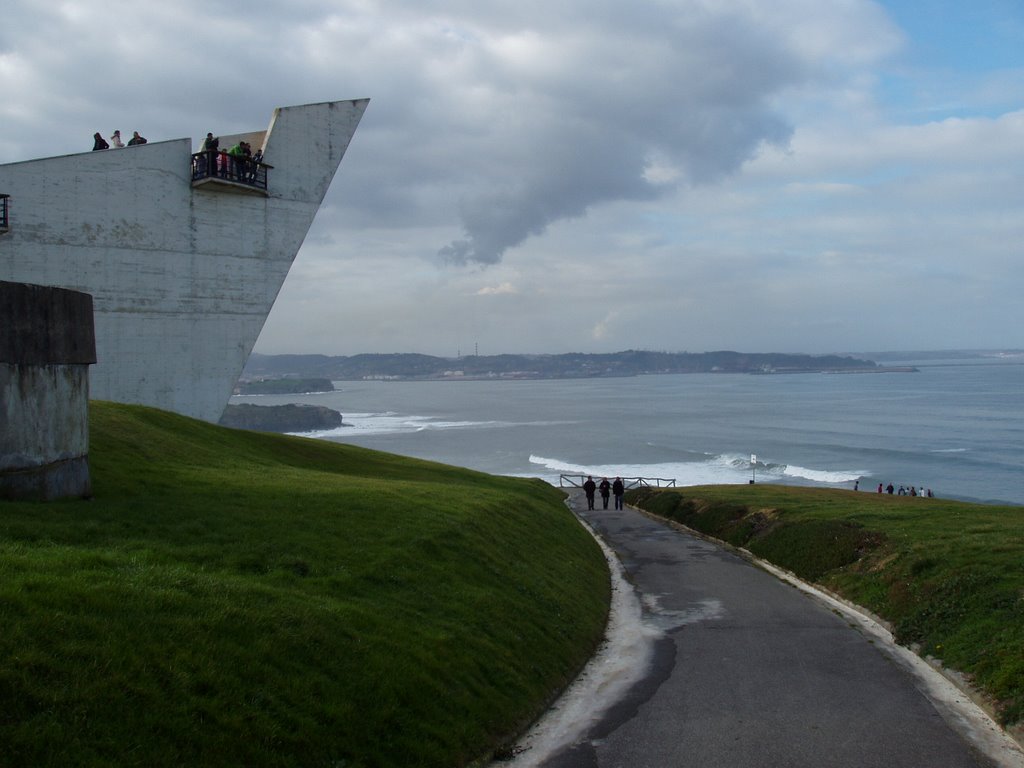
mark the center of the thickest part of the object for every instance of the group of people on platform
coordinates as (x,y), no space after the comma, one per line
(238,163)
(98,142)
(606,489)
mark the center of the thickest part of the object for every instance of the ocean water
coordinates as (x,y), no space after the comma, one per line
(954,427)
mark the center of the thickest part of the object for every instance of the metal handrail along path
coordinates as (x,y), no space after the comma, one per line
(576,481)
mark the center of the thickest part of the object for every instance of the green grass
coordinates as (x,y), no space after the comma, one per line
(235,598)
(949,576)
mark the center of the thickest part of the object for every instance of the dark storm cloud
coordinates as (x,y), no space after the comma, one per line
(687,92)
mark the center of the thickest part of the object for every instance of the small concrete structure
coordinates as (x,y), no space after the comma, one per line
(46,346)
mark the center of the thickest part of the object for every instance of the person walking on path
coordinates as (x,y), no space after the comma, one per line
(588,489)
(606,490)
(617,490)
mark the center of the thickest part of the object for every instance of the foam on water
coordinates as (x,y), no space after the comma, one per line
(390,423)
(822,475)
(713,470)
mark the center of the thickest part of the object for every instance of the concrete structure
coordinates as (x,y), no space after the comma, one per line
(46,347)
(183,274)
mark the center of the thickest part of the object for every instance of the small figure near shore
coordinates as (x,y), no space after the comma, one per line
(889,489)
(856,485)
(606,490)
(879,487)
(98,142)
(588,489)
(617,490)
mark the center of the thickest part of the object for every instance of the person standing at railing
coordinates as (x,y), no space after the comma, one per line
(239,161)
(254,166)
(235,155)
(210,147)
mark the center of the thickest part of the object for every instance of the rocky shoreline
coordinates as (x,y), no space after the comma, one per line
(281,418)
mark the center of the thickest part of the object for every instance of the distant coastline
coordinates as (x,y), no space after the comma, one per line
(416,367)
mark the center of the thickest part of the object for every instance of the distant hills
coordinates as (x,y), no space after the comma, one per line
(408,366)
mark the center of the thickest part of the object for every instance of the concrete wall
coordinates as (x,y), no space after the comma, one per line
(46,346)
(182,279)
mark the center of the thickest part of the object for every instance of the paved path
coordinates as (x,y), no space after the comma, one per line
(749,671)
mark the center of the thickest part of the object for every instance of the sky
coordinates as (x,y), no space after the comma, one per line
(591,176)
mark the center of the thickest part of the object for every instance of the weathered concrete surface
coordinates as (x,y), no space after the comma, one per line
(182,279)
(46,346)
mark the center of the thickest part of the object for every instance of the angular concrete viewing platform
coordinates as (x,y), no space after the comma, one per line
(182,274)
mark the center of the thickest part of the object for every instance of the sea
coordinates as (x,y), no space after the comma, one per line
(955,427)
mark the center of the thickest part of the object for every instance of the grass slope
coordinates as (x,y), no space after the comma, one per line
(948,575)
(237,598)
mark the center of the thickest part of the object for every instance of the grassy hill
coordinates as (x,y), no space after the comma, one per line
(948,576)
(238,598)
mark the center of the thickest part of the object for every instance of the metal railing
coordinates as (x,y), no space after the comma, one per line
(4,221)
(576,481)
(236,169)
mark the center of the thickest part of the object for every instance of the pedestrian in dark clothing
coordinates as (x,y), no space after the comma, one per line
(606,490)
(588,490)
(135,140)
(210,147)
(889,489)
(98,142)
(617,490)
(254,165)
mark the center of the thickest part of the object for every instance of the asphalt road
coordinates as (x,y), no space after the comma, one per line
(749,671)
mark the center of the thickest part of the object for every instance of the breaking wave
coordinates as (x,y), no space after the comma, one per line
(390,423)
(712,470)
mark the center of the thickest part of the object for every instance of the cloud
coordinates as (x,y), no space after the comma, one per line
(497,290)
(687,174)
(600,331)
(579,110)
